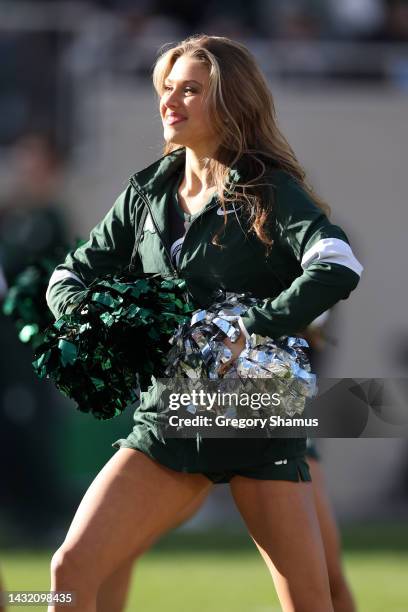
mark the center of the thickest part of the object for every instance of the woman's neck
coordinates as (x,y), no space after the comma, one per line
(197,175)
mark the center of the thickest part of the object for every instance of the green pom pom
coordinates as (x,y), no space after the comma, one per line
(103,353)
(69,352)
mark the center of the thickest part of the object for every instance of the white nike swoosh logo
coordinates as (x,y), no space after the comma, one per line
(227,212)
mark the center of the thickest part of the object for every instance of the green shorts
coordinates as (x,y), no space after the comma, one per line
(220,459)
(294,470)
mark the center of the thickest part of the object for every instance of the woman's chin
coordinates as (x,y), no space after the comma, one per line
(174,139)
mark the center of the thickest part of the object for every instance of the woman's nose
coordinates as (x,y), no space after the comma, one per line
(172,99)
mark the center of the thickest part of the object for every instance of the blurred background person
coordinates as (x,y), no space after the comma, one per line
(32,226)
(32,218)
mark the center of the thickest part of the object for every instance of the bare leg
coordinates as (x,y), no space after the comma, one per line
(114,589)
(113,592)
(340,592)
(133,499)
(282,521)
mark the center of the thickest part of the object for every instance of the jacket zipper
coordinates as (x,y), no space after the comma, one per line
(146,201)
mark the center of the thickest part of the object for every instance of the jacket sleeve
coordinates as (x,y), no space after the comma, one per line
(108,249)
(330,271)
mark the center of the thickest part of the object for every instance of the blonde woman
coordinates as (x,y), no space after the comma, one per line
(226,207)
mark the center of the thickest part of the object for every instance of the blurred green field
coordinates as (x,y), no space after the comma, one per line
(222,572)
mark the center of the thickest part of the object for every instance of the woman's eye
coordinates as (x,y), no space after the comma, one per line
(186,89)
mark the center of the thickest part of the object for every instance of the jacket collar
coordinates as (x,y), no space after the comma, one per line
(154,178)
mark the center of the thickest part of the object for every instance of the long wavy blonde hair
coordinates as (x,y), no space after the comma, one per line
(242,111)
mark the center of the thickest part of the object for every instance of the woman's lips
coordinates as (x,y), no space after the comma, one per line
(174,119)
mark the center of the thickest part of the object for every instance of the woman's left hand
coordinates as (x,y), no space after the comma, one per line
(236,349)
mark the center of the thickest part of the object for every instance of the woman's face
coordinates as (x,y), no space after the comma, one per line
(182,106)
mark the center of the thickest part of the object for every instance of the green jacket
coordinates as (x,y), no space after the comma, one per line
(309,269)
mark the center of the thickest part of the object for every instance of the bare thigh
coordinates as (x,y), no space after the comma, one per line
(114,590)
(281,518)
(132,501)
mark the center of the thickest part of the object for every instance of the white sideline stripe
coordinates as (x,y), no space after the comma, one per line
(332,250)
(59,275)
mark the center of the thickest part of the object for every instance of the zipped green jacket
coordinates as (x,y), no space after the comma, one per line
(309,269)
(310,266)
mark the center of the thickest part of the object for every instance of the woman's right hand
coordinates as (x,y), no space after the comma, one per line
(236,349)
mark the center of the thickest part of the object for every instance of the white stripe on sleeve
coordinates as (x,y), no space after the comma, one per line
(332,250)
(59,275)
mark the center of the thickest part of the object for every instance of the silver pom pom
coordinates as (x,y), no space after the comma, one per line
(199,352)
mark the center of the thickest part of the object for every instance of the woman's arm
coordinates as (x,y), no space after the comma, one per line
(108,249)
(330,270)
